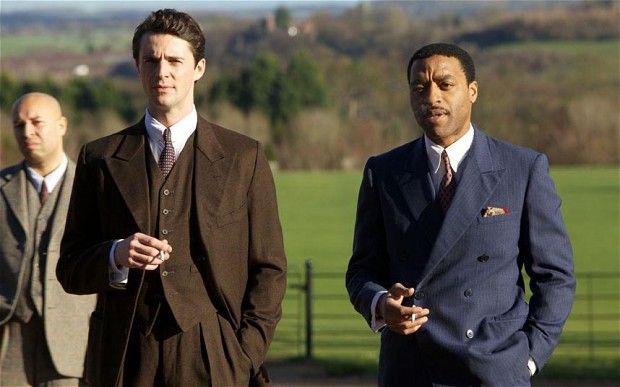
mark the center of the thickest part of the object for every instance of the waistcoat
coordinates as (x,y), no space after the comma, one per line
(175,292)
(30,298)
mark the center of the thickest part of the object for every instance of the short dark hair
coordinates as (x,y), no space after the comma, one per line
(171,22)
(449,50)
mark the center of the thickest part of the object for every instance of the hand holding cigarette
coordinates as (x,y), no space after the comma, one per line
(141,251)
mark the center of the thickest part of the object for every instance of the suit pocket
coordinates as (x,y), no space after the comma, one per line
(233,216)
(498,218)
(94,350)
(235,354)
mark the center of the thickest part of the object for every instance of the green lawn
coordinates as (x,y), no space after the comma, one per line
(70,39)
(317,211)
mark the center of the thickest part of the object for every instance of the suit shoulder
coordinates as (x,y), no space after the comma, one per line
(231,140)
(395,156)
(7,173)
(104,146)
(512,153)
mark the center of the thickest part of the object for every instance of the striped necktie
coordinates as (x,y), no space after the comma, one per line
(447,187)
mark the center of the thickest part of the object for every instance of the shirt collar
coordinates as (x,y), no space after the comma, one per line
(51,179)
(179,132)
(456,151)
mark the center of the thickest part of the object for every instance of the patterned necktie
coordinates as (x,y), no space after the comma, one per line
(167,158)
(447,185)
(43,193)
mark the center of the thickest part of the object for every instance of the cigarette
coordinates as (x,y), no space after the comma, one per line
(412,317)
(161,255)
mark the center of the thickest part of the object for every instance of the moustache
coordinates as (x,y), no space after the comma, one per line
(428,111)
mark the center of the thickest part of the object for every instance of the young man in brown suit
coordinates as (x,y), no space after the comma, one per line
(173,222)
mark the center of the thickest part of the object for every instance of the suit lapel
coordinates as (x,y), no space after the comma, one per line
(479,180)
(209,174)
(128,169)
(415,180)
(14,192)
(60,213)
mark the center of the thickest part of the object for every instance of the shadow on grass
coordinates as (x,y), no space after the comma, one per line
(327,366)
(582,368)
(559,369)
(343,367)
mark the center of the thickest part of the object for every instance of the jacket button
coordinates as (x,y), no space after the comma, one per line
(164,273)
(483,258)
(164,232)
(419,295)
(469,334)
(468,292)
(165,211)
(166,192)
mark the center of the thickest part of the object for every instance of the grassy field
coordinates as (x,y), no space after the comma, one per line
(318,210)
(72,39)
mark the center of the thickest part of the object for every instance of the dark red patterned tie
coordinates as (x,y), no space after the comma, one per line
(447,185)
(167,158)
(43,193)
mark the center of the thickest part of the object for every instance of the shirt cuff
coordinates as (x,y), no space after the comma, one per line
(531,366)
(117,276)
(376,323)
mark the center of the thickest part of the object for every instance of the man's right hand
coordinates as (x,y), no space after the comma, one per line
(141,251)
(397,317)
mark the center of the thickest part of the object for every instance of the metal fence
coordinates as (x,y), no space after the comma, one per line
(318,318)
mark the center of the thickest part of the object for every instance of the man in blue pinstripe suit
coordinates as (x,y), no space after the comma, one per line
(444,226)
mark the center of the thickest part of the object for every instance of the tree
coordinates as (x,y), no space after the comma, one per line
(249,90)
(280,95)
(303,76)
(283,18)
(262,74)
(9,92)
(299,88)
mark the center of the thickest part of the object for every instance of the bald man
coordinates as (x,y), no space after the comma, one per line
(43,330)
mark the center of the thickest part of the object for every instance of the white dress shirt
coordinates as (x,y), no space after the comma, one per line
(179,133)
(456,154)
(51,179)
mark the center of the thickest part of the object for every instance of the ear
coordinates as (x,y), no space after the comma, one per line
(62,125)
(137,63)
(473,91)
(200,68)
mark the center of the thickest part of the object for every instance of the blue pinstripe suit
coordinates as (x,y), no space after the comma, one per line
(466,268)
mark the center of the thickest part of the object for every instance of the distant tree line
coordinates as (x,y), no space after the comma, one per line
(280,94)
(336,92)
(78,95)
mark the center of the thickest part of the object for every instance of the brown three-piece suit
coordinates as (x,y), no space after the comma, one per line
(226,273)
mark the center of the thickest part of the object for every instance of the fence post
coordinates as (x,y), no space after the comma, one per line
(590,313)
(308,289)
